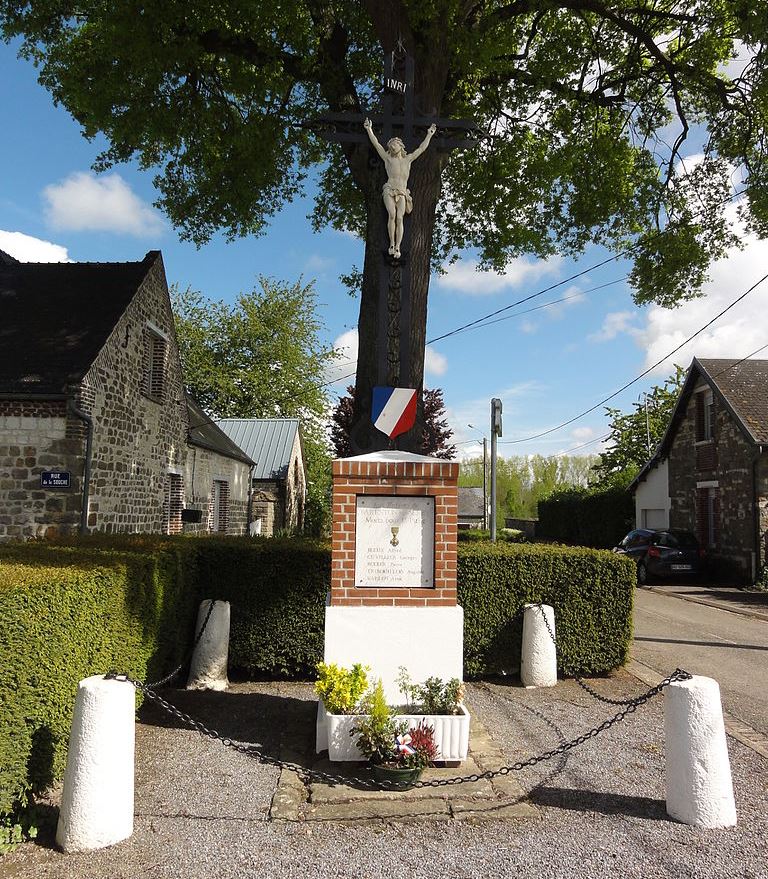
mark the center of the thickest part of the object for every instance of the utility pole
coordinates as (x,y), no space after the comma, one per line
(485,476)
(495,432)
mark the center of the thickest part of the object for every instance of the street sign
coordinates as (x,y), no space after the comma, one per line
(55,479)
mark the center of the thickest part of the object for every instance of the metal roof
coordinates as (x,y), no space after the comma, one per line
(268,441)
(203,432)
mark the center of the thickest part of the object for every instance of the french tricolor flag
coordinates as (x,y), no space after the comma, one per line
(394,410)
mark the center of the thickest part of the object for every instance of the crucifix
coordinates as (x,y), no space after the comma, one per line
(407,132)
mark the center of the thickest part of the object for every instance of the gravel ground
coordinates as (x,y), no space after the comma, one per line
(201,810)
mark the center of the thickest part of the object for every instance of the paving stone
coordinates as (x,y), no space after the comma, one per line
(465,810)
(380,809)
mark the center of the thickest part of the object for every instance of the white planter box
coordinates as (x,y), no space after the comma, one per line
(451,734)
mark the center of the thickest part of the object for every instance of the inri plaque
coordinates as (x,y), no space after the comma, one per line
(395,542)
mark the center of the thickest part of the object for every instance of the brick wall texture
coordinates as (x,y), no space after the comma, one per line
(353,478)
(725,464)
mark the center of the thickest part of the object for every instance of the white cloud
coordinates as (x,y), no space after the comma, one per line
(464,277)
(528,327)
(738,333)
(25,248)
(435,363)
(615,322)
(85,202)
(582,434)
(318,263)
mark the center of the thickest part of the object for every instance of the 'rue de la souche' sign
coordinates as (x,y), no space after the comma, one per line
(55,479)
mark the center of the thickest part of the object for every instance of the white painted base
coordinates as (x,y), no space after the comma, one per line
(538,662)
(428,641)
(97,799)
(698,772)
(451,734)
(208,669)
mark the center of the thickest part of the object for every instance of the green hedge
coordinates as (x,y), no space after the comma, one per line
(586,516)
(277,589)
(79,608)
(68,613)
(591,592)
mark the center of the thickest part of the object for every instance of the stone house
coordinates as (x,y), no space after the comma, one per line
(278,478)
(709,474)
(95,427)
(471,503)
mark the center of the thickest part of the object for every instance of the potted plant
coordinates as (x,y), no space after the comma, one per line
(439,704)
(340,691)
(398,754)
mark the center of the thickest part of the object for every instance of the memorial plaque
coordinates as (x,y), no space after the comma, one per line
(395,542)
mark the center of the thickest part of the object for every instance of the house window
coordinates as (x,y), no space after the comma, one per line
(174,503)
(218,507)
(708,516)
(705,417)
(153,379)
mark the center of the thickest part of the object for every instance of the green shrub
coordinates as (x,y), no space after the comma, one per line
(591,592)
(341,689)
(69,613)
(277,589)
(597,517)
(478,535)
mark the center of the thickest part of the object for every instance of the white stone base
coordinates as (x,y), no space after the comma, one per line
(97,799)
(428,641)
(208,669)
(538,662)
(698,774)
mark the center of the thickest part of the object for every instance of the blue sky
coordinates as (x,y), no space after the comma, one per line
(546,365)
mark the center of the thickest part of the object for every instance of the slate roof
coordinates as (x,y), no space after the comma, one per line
(470,502)
(56,317)
(740,385)
(206,434)
(268,441)
(744,386)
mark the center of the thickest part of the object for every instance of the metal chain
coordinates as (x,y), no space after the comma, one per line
(580,681)
(253,750)
(169,677)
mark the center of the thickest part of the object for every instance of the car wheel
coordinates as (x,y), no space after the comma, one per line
(642,574)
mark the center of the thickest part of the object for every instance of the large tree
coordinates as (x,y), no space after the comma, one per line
(635,435)
(587,104)
(262,357)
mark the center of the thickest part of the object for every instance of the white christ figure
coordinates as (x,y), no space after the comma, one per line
(395,192)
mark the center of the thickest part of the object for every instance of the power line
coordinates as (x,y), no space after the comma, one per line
(645,372)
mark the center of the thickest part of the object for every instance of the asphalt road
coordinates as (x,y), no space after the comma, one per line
(731,648)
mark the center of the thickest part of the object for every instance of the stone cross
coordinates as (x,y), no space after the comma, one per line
(398,117)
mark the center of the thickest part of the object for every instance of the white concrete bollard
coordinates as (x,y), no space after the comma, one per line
(538,663)
(97,800)
(698,776)
(208,670)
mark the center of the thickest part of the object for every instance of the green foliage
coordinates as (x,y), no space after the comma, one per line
(262,358)
(434,696)
(591,592)
(600,516)
(523,480)
(376,729)
(478,535)
(216,97)
(69,613)
(277,590)
(634,436)
(340,688)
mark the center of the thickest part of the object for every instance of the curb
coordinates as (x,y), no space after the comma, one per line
(711,602)
(734,727)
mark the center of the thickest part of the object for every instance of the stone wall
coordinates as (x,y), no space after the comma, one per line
(267,505)
(33,439)
(725,464)
(202,468)
(137,440)
(762,494)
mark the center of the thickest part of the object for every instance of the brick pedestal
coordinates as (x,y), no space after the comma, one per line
(419,627)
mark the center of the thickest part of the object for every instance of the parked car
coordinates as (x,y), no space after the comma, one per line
(662,553)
